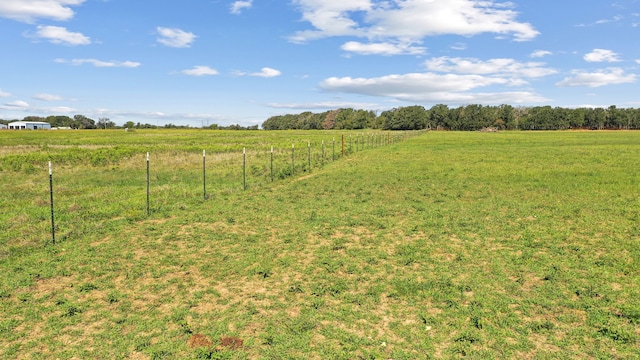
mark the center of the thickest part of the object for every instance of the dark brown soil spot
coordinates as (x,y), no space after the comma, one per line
(199,340)
(231,342)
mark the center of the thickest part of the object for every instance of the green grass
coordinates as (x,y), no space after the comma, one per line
(445,245)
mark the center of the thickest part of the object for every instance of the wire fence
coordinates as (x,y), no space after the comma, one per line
(89,197)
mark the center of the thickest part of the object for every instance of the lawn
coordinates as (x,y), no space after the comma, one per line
(440,245)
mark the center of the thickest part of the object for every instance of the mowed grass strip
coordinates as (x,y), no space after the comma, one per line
(481,245)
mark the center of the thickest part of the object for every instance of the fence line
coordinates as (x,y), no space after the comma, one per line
(262,172)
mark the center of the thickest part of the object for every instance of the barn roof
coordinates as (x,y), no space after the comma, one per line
(29,122)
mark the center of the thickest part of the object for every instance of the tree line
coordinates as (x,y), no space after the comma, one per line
(438,117)
(63,121)
(463,118)
(83,122)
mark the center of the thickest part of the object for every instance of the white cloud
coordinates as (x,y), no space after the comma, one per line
(330,18)
(265,72)
(238,6)
(430,88)
(159,117)
(44,111)
(100,63)
(173,37)
(540,53)
(610,76)
(409,20)
(47,97)
(458,46)
(30,10)
(451,81)
(383,48)
(601,55)
(638,61)
(616,18)
(200,71)
(60,35)
(500,67)
(59,110)
(4,94)
(19,104)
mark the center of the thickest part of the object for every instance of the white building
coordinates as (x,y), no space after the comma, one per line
(29,125)
(3,127)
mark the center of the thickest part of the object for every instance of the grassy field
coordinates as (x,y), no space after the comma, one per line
(444,245)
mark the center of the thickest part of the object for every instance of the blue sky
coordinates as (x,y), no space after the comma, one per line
(199,62)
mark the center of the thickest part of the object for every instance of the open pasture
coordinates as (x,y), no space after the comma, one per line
(442,245)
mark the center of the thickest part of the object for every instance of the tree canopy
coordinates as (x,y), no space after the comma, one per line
(439,117)
(466,118)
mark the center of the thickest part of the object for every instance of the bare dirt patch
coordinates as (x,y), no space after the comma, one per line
(230,342)
(200,340)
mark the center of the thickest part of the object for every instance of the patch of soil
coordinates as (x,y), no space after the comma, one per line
(231,342)
(200,340)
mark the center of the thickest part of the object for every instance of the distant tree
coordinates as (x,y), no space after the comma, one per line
(35,118)
(438,117)
(595,118)
(105,123)
(329,121)
(476,117)
(576,118)
(129,125)
(344,119)
(139,125)
(469,117)
(363,119)
(632,118)
(61,121)
(83,122)
(506,117)
(405,118)
(614,118)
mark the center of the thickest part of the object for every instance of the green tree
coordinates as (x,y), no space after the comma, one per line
(405,118)
(344,119)
(474,117)
(595,118)
(61,121)
(83,122)
(614,118)
(576,118)
(438,117)
(105,123)
(506,117)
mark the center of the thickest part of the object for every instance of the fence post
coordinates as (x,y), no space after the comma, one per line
(53,222)
(293,162)
(148,188)
(333,155)
(244,168)
(309,155)
(204,174)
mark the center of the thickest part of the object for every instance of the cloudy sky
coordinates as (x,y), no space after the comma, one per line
(199,62)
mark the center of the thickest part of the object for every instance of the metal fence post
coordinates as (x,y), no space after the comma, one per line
(53,222)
